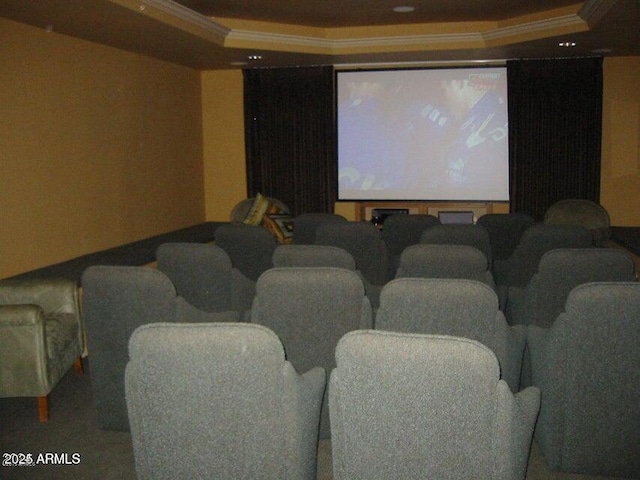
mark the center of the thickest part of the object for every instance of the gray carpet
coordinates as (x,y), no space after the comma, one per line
(108,455)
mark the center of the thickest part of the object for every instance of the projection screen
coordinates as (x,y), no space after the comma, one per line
(423,134)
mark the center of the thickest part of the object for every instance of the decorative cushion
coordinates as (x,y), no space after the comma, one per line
(280,225)
(257,211)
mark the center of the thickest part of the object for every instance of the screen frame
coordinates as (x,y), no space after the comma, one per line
(414,199)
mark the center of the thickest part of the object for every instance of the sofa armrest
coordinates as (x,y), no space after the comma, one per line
(53,295)
(23,351)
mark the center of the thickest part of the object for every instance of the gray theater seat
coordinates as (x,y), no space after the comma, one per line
(559,272)
(401,231)
(586,366)
(306,224)
(204,277)
(310,309)
(413,406)
(445,261)
(219,401)
(457,307)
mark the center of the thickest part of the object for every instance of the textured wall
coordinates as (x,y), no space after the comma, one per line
(98,147)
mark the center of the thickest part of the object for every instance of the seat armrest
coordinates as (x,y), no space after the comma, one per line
(526,409)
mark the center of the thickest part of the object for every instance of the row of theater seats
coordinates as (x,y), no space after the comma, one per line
(221,401)
(512,244)
(506,259)
(589,379)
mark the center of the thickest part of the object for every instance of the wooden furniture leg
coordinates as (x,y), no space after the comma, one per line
(43,408)
(78,367)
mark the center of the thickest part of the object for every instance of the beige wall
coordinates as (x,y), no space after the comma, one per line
(620,176)
(98,147)
(223,138)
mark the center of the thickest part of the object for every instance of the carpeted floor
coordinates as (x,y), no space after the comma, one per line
(106,455)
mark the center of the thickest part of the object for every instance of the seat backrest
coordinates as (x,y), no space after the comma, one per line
(535,242)
(310,309)
(588,373)
(406,406)
(460,234)
(364,242)
(401,231)
(505,231)
(305,225)
(312,256)
(578,211)
(226,390)
(559,271)
(444,261)
(115,301)
(249,247)
(456,307)
(201,273)
(582,212)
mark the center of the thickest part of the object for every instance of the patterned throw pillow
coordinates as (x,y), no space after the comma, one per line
(281,226)
(257,211)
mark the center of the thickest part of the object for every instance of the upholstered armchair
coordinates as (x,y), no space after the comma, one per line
(310,309)
(401,231)
(41,337)
(364,242)
(456,307)
(250,249)
(505,231)
(115,301)
(413,406)
(586,366)
(219,400)
(559,272)
(203,275)
(460,234)
(306,224)
(582,212)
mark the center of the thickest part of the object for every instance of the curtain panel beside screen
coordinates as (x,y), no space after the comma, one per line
(555,132)
(290,136)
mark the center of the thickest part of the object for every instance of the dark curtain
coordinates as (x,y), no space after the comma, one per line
(290,138)
(555,130)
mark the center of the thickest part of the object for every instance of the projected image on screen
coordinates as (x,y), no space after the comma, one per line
(438,134)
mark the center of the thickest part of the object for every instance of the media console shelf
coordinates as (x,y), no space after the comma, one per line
(364,209)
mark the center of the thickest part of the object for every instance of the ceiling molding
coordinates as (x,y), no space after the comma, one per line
(285,42)
(593,10)
(537,27)
(187,15)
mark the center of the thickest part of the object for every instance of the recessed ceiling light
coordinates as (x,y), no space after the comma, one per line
(254,57)
(403,9)
(567,44)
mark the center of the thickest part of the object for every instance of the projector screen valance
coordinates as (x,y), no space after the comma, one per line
(428,134)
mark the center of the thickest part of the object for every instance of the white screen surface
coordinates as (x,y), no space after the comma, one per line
(437,134)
